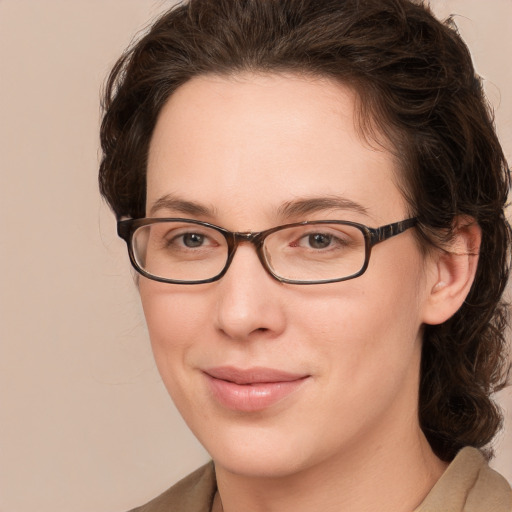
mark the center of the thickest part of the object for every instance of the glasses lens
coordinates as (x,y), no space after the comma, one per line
(316,252)
(180,251)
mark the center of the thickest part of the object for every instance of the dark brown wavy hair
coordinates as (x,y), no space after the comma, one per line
(416,85)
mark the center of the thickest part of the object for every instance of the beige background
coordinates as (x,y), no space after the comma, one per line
(85,423)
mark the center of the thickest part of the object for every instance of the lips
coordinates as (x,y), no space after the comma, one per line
(252,389)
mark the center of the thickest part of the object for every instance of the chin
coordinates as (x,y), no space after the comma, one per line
(258,451)
(260,464)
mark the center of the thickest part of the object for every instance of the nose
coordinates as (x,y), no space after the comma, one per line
(250,303)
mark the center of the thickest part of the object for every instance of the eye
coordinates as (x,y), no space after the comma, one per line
(185,237)
(192,240)
(319,240)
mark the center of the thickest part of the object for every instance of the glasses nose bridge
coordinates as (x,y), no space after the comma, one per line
(254,238)
(247,236)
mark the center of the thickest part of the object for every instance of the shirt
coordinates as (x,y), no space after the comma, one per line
(467,485)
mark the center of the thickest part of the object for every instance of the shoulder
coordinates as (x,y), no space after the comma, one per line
(490,492)
(192,494)
(469,485)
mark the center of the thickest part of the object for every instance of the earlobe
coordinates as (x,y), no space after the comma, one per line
(453,271)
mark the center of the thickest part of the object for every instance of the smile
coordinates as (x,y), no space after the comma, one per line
(253,389)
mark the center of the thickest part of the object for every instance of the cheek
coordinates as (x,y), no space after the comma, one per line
(367,329)
(177,320)
(174,321)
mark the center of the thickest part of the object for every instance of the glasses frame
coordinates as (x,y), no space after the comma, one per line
(373,236)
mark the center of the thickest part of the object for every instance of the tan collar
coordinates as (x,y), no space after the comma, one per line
(468,485)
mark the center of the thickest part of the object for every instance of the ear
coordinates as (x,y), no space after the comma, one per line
(452,271)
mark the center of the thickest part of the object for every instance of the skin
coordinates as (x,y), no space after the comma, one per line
(234,151)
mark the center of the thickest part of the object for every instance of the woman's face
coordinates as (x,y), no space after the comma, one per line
(274,378)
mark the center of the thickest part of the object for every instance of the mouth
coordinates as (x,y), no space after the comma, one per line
(253,389)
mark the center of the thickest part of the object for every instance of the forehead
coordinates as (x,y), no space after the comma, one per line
(251,142)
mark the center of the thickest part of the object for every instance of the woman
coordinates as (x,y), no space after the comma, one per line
(313,194)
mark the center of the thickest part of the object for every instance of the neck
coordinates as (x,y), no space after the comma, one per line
(386,477)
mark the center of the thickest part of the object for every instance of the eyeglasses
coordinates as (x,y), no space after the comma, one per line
(186,251)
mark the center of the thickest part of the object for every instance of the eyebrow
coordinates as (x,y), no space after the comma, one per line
(178,205)
(305,206)
(295,208)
